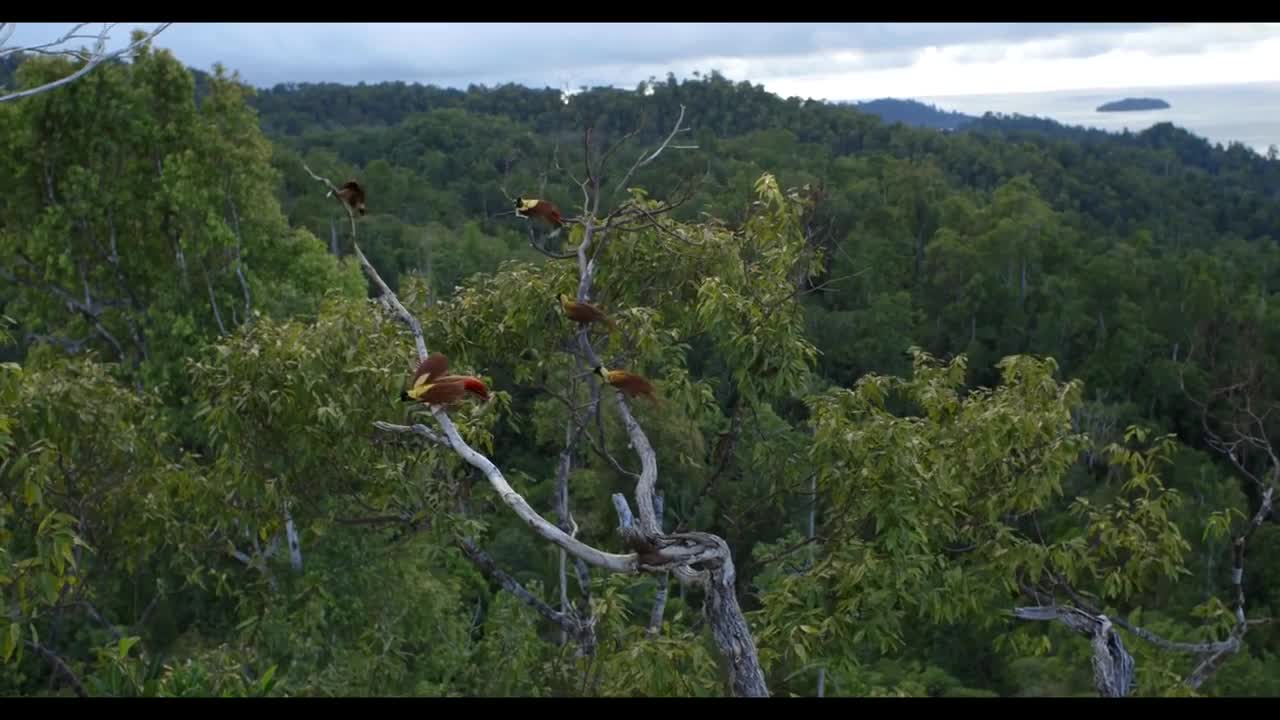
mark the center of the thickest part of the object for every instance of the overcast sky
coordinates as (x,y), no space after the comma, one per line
(819,60)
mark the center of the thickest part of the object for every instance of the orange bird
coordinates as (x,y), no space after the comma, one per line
(352,194)
(628,384)
(542,209)
(582,312)
(430,386)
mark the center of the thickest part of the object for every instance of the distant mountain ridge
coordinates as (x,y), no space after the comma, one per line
(913,113)
(287,108)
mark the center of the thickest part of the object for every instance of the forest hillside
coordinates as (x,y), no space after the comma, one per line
(893,411)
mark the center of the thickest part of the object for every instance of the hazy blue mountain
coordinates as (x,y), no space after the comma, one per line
(913,113)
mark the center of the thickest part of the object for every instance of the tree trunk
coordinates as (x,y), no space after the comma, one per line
(732,636)
(295,547)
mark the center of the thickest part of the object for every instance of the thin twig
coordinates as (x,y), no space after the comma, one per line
(98,57)
(642,160)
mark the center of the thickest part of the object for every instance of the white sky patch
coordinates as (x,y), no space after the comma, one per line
(1039,66)
(821,60)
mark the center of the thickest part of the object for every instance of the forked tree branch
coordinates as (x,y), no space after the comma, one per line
(660,599)
(677,552)
(1113,669)
(645,160)
(652,551)
(582,632)
(1087,618)
(540,525)
(98,56)
(1216,653)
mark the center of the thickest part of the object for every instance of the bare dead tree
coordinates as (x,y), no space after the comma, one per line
(581,628)
(660,601)
(695,558)
(1113,668)
(92,58)
(1237,421)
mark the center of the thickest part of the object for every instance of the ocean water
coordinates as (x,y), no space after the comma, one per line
(1246,113)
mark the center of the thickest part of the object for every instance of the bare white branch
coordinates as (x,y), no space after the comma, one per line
(643,160)
(1113,668)
(653,551)
(244,283)
(660,598)
(258,562)
(545,529)
(96,58)
(582,631)
(417,429)
(657,552)
(213,303)
(548,531)
(401,312)
(6,32)
(295,545)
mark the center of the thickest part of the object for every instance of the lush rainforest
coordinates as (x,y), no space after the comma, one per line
(941,394)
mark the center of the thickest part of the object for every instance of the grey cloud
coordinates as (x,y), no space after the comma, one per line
(1080,47)
(979,53)
(1189,39)
(271,52)
(585,53)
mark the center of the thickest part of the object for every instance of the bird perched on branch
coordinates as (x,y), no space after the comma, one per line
(352,194)
(629,384)
(541,209)
(430,386)
(583,312)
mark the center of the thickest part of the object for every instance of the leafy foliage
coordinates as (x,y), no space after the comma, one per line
(914,378)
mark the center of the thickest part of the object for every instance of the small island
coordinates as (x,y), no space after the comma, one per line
(1133,104)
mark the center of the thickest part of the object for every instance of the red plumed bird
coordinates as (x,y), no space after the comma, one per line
(353,195)
(583,312)
(629,384)
(541,209)
(430,386)
(469,383)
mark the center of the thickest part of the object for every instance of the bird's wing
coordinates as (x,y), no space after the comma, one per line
(435,365)
(447,392)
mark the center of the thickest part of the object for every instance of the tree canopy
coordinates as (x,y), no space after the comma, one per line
(974,413)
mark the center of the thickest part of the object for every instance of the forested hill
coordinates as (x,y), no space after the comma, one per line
(914,113)
(913,379)
(439,156)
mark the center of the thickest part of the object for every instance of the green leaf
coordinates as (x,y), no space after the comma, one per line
(125,644)
(267,681)
(11,641)
(32,494)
